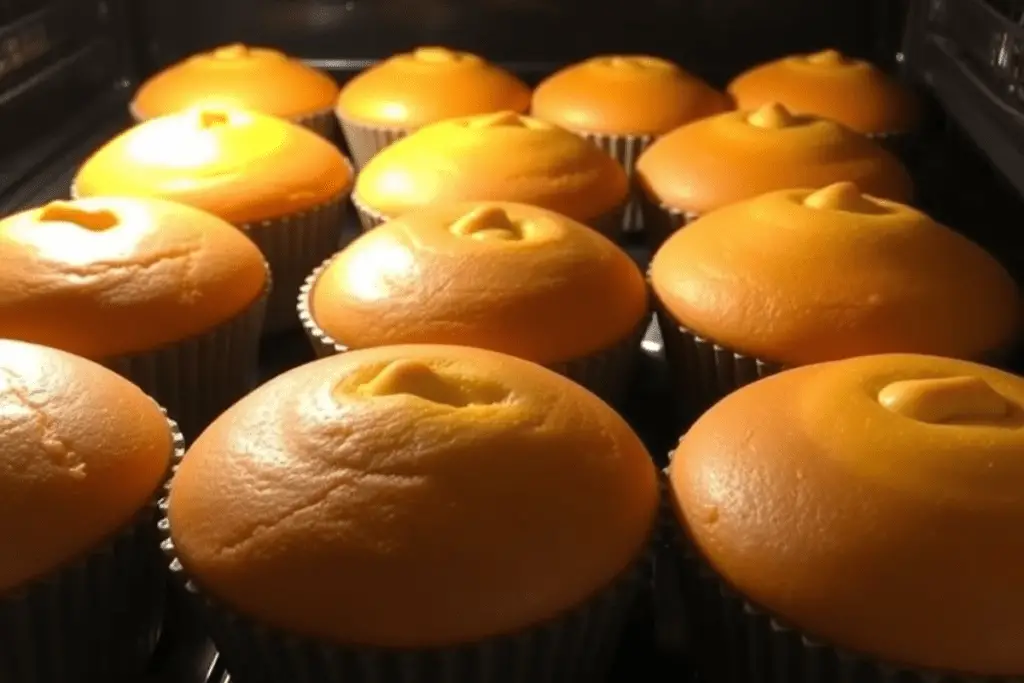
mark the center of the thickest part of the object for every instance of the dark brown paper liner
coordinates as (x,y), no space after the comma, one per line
(608,224)
(96,619)
(322,123)
(365,141)
(660,221)
(625,149)
(293,245)
(701,371)
(578,645)
(735,641)
(199,378)
(606,373)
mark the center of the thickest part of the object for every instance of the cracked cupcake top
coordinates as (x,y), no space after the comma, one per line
(413,496)
(105,277)
(83,451)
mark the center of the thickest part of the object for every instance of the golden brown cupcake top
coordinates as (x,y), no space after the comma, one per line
(625,95)
(738,155)
(496,275)
(831,85)
(427,85)
(800,276)
(239,165)
(84,450)
(494,157)
(413,496)
(104,277)
(872,503)
(237,77)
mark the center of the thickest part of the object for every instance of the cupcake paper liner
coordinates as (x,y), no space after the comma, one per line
(293,245)
(365,141)
(608,224)
(735,641)
(606,373)
(322,123)
(96,619)
(198,378)
(660,221)
(579,645)
(625,149)
(701,371)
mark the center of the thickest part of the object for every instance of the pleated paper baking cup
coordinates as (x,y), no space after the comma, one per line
(701,371)
(322,123)
(365,141)
(608,224)
(96,619)
(198,378)
(625,149)
(579,645)
(606,373)
(738,642)
(294,245)
(660,221)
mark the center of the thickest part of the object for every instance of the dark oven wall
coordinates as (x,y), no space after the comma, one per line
(716,37)
(60,61)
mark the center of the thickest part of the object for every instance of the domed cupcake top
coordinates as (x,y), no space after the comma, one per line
(871,503)
(831,85)
(430,84)
(625,94)
(237,76)
(737,155)
(239,165)
(494,157)
(800,276)
(507,277)
(84,450)
(412,496)
(104,277)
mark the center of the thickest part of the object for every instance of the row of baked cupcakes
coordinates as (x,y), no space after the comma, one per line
(612,97)
(173,298)
(361,518)
(623,103)
(288,188)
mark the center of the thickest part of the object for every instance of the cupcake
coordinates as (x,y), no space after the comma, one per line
(285,187)
(85,455)
(857,520)
(622,103)
(738,155)
(411,90)
(415,512)
(828,84)
(166,295)
(507,277)
(800,276)
(494,157)
(240,77)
